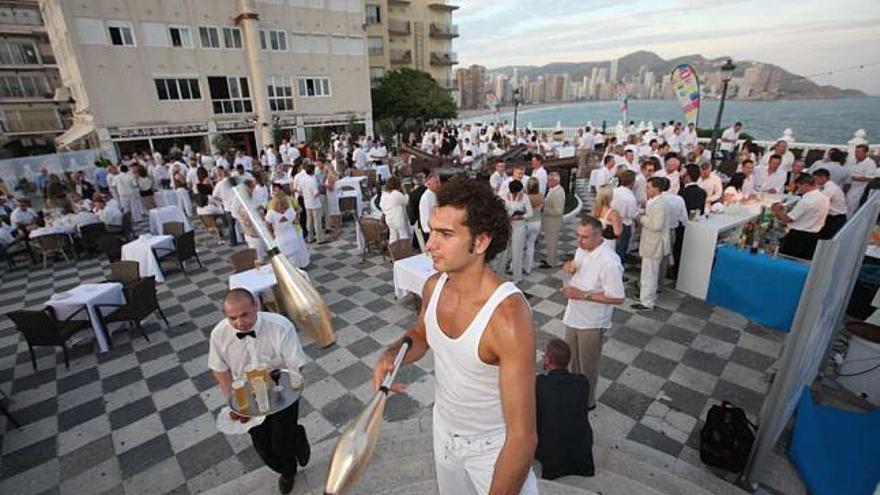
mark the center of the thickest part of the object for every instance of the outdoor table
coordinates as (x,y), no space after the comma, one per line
(257,281)
(67,230)
(89,295)
(355,183)
(763,289)
(165,214)
(410,274)
(141,250)
(165,197)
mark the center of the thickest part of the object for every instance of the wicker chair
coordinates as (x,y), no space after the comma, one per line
(126,272)
(184,250)
(111,246)
(210,224)
(42,328)
(125,231)
(89,235)
(243,260)
(141,301)
(375,236)
(51,245)
(173,229)
(400,249)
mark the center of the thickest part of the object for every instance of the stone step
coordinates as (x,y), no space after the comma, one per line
(608,483)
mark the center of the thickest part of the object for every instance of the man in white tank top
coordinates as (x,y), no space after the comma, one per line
(480,329)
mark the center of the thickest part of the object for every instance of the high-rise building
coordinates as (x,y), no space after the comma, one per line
(30,114)
(146,78)
(410,33)
(613,71)
(649,84)
(471,83)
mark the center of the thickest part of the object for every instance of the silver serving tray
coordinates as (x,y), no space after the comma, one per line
(281,396)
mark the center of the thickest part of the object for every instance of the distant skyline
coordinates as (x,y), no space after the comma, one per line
(802,36)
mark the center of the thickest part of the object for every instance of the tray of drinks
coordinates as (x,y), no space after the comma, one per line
(261,392)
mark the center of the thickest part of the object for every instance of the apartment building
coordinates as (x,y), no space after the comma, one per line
(30,116)
(411,33)
(150,75)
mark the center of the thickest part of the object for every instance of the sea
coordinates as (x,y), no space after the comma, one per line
(812,121)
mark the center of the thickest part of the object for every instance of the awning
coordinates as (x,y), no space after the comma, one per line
(76,133)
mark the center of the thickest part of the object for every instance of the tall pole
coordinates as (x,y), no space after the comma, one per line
(515,107)
(249,21)
(714,142)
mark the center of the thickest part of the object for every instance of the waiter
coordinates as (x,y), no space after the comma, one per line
(805,220)
(245,337)
(837,203)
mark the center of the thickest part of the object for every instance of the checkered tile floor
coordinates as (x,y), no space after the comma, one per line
(140,419)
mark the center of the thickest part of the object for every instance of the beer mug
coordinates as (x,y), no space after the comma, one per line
(240,395)
(261,393)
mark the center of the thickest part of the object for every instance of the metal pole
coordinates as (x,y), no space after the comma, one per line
(714,142)
(515,107)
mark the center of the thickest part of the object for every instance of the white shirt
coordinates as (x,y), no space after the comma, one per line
(676,210)
(836,198)
(712,186)
(640,188)
(598,270)
(310,192)
(541,175)
(111,215)
(271,158)
(223,192)
(298,180)
(245,161)
(495,180)
(26,217)
(767,182)
(360,158)
(837,172)
(7,234)
(126,185)
(393,206)
(748,187)
(505,186)
(426,206)
(728,139)
(276,344)
(603,177)
(260,195)
(809,213)
(624,203)
(674,179)
(85,218)
(787,160)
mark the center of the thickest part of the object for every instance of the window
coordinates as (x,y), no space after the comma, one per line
(314,86)
(120,33)
(209,36)
(90,31)
(374,45)
(180,36)
(24,86)
(275,41)
(300,43)
(232,38)
(174,89)
(18,53)
(280,93)
(154,34)
(230,94)
(372,14)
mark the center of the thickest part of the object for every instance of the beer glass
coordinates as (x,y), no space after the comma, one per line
(261,392)
(240,395)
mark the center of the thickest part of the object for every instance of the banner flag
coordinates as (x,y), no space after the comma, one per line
(687,88)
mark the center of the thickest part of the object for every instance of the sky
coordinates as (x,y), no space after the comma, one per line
(802,36)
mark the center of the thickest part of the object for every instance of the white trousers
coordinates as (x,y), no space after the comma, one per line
(648,281)
(532,231)
(516,248)
(465,465)
(315,223)
(398,231)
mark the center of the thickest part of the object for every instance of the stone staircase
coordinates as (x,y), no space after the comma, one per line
(403,464)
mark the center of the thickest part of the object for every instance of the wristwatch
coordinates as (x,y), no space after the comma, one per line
(586,296)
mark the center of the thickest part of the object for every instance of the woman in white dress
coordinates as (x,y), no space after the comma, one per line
(533,223)
(518,209)
(334,219)
(612,225)
(283,222)
(393,206)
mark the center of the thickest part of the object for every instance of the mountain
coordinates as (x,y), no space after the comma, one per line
(771,81)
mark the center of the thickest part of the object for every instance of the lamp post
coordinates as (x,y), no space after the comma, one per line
(515,108)
(726,74)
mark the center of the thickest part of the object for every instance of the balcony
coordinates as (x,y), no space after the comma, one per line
(442,6)
(397,27)
(444,58)
(401,56)
(445,31)
(400,3)
(375,51)
(21,20)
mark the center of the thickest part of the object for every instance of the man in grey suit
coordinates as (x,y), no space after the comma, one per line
(554,208)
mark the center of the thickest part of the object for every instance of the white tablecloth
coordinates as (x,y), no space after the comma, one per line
(165,214)
(256,280)
(67,230)
(383,172)
(354,182)
(141,250)
(166,197)
(410,274)
(89,295)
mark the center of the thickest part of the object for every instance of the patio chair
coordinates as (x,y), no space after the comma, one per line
(211,225)
(111,246)
(375,237)
(89,235)
(173,229)
(400,249)
(51,245)
(347,204)
(125,231)
(10,251)
(125,272)
(243,260)
(42,328)
(184,250)
(141,302)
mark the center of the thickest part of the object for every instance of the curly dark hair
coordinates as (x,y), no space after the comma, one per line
(485,212)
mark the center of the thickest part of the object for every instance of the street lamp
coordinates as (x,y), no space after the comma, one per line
(726,74)
(515,107)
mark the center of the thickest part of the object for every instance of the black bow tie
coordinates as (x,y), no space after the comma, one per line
(242,335)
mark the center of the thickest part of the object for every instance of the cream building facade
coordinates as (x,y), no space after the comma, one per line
(30,116)
(154,74)
(411,33)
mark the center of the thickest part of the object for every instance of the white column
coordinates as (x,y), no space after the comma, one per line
(249,21)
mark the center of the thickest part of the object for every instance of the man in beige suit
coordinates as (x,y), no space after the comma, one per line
(654,244)
(554,207)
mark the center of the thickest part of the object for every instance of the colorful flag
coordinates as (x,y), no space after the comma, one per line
(687,88)
(623,100)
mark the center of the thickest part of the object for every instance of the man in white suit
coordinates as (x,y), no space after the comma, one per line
(654,245)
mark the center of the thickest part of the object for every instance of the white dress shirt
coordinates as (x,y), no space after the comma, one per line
(495,180)
(674,179)
(809,213)
(676,210)
(624,203)
(541,175)
(310,192)
(603,177)
(728,139)
(787,160)
(111,215)
(748,187)
(767,182)
(836,198)
(275,344)
(837,171)
(712,186)
(598,270)
(25,217)
(426,206)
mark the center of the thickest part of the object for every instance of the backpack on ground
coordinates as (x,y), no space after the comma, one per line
(727,437)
